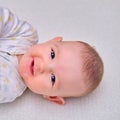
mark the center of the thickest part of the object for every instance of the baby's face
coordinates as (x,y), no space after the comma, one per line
(53,68)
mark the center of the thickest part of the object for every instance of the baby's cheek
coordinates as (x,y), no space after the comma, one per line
(40,81)
(45,81)
(34,86)
(40,84)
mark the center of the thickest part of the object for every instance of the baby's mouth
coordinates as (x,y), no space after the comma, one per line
(32,67)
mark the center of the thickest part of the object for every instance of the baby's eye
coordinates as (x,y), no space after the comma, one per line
(52,54)
(52,77)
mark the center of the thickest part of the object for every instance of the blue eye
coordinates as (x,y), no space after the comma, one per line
(52,54)
(52,79)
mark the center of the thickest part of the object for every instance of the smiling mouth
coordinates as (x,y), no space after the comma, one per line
(32,67)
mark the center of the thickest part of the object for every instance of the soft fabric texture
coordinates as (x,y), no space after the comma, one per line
(16,36)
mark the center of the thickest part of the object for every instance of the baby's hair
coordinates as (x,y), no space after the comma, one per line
(92,67)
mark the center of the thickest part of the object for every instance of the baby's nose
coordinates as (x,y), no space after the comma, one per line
(45,67)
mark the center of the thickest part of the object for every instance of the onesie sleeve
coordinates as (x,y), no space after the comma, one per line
(19,33)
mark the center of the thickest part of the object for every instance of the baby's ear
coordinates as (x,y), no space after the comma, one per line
(58,39)
(56,99)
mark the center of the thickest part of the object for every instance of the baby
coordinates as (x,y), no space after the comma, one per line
(54,69)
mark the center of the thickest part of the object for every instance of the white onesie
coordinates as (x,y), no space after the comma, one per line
(16,36)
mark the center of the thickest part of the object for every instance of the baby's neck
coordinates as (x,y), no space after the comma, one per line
(19,58)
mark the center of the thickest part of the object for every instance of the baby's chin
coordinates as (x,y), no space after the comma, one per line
(22,72)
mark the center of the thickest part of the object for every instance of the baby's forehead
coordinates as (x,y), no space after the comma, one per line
(71,46)
(76,47)
(70,66)
(70,53)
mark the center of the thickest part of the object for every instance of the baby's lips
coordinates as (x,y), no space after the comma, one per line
(32,67)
